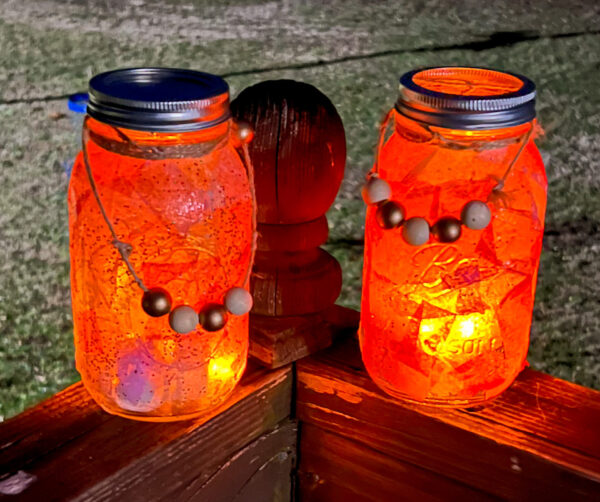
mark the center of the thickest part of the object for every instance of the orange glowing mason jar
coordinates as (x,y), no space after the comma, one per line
(454,228)
(161,241)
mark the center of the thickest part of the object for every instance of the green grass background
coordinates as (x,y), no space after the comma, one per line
(352,51)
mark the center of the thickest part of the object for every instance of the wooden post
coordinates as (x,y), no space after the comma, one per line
(299,154)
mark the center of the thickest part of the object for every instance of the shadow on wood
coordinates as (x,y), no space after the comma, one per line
(277,340)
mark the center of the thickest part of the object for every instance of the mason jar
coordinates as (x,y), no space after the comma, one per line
(160,218)
(454,227)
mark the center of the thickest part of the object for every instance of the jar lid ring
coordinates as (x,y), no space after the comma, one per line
(466,109)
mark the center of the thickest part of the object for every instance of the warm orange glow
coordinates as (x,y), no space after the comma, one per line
(452,80)
(221,368)
(188,218)
(448,324)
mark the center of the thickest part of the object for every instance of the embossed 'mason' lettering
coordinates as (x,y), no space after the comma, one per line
(436,346)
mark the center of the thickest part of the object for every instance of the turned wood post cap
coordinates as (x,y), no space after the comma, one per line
(298,150)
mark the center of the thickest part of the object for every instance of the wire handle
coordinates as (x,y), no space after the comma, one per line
(124,248)
(250,171)
(383,130)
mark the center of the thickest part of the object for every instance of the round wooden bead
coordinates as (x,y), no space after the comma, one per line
(244,132)
(213,317)
(416,231)
(476,215)
(447,229)
(238,301)
(156,302)
(389,214)
(376,190)
(183,319)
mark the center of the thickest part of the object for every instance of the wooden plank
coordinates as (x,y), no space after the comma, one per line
(47,426)
(277,341)
(535,441)
(261,471)
(121,459)
(334,468)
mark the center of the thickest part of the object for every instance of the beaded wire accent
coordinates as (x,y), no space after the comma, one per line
(416,230)
(156,302)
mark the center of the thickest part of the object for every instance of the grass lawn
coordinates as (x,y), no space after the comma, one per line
(352,51)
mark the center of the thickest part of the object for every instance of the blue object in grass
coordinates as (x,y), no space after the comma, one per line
(78,102)
(77,105)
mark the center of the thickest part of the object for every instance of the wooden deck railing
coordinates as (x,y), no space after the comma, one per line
(67,448)
(540,440)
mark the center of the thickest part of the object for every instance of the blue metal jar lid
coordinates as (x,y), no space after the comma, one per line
(159,99)
(466,98)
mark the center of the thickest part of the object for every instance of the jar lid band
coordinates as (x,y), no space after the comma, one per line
(159,99)
(466,98)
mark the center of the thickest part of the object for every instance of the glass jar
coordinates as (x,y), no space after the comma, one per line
(166,178)
(452,253)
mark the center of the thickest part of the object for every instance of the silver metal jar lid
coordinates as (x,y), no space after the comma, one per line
(159,99)
(479,98)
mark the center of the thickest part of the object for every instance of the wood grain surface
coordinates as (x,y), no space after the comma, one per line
(539,440)
(68,449)
(277,341)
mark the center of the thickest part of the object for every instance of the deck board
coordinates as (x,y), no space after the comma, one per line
(68,449)
(536,441)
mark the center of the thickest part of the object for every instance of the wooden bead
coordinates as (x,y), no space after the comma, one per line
(183,319)
(244,132)
(416,231)
(213,317)
(476,215)
(389,214)
(447,229)
(238,301)
(156,302)
(376,190)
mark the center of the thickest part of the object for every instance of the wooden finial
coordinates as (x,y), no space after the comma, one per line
(299,154)
(298,150)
